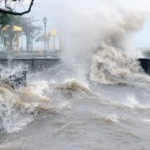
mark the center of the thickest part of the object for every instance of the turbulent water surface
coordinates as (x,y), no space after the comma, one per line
(109,109)
(97,98)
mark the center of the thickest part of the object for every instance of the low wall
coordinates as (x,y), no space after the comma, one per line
(30,64)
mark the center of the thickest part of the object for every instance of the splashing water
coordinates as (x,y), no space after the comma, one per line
(118,63)
(97,98)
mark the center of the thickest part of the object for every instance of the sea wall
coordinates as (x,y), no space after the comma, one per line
(145,64)
(30,64)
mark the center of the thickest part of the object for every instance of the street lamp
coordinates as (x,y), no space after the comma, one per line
(45,22)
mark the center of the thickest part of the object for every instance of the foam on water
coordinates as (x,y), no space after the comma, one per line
(74,84)
(11,146)
(14,113)
(113,53)
(118,63)
(36,90)
(133,103)
(146,120)
(112,118)
(18,108)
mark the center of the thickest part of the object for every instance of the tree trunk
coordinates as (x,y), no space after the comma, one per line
(27,43)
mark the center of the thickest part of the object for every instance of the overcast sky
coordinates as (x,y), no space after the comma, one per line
(54,10)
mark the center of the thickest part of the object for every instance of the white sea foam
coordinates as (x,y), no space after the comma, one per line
(133,103)
(36,89)
(74,84)
(112,118)
(146,120)
(18,108)
(106,117)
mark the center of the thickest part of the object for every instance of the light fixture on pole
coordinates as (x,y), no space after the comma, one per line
(45,22)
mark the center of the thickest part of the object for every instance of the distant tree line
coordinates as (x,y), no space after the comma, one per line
(30,30)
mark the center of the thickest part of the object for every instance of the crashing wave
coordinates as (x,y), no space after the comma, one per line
(20,107)
(118,63)
(73,84)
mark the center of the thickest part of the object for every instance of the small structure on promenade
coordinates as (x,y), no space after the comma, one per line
(15,41)
(51,37)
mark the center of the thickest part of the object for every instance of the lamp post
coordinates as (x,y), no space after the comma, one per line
(45,22)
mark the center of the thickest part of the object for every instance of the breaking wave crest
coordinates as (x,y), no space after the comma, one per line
(18,108)
(36,90)
(73,84)
(114,54)
(118,63)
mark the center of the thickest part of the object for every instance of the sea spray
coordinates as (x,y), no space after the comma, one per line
(100,39)
(113,56)
(20,107)
(118,63)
